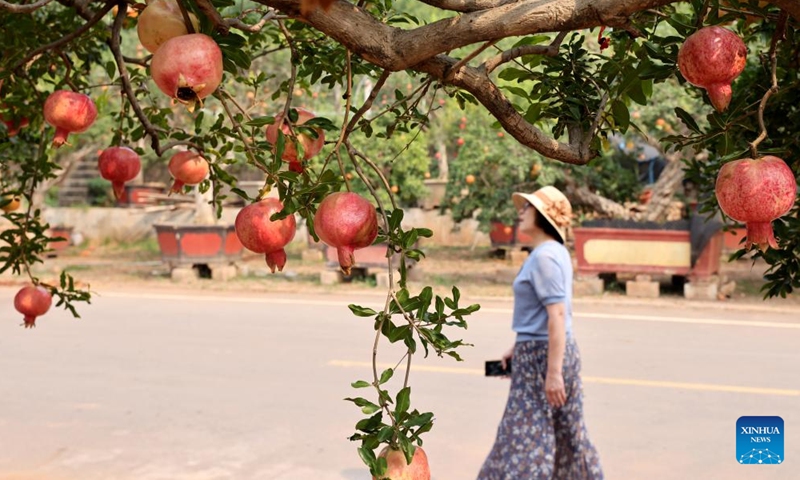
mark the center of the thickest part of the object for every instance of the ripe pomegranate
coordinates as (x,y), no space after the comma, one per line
(756,192)
(14,125)
(711,58)
(69,112)
(119,165)
(311,146)
(32,301)
(398,469)
(188,168)
(261,235)
(161,21)
(188,68)
(347,222)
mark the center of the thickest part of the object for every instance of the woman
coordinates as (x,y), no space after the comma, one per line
(542,434)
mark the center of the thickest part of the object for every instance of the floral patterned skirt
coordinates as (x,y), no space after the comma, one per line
(535,441)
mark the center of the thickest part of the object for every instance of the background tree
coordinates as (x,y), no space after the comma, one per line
(534,67)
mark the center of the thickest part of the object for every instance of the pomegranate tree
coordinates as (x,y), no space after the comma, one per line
(160,21)
(187,168)
(711,58)
(69,112)
(347,222)
(311,146)
(188,68)
(119,165)
(756,192)
(261,235)
(399,469)
(32,301)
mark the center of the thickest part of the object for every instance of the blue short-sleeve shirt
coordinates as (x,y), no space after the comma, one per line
(544,279)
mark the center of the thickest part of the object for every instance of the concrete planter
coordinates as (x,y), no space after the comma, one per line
(503,235)
(142,194)
(198,244)
(63,232)
(658,252)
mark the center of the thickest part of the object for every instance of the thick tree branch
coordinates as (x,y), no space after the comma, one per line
(209,11)
(16,8)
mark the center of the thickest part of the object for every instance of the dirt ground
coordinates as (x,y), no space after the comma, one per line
(478,272)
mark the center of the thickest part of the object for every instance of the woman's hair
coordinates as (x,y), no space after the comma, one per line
(549,229)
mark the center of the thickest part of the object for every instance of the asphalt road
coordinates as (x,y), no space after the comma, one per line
(162,386)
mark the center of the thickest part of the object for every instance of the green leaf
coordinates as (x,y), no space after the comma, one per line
(361,311)
(261,121)
(403,401)
(687,119)
(360,384)
(386,375)
(622,116)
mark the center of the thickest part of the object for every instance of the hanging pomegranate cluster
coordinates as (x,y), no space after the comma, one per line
(32,301)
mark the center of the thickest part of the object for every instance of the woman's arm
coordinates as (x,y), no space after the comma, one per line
(557,345)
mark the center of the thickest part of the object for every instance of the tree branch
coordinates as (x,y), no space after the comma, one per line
(68,38)
(549,51)
(256,27)
(209,11)
(780,34)
(467,5)
(15,8)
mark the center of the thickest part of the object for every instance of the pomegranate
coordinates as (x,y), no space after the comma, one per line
(261,235)
(188,168)
(69,112)
(311,146)
(188,68)
(398,469)
(13,125)
(32,301)
(161,21)
(756,192)
(347,222)
(711,58)
(119,165)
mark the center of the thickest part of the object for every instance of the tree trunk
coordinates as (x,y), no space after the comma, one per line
(664,190)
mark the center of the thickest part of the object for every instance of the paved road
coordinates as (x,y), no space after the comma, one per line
(160,386)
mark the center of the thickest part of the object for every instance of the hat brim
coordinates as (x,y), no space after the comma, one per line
(520,199)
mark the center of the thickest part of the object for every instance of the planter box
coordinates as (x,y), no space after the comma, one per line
(373,256)
(195,244)
(666,252)
(732,239)
(142,194)
(63,232)
(503,235)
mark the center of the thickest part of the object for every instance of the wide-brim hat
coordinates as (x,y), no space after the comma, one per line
(551,204)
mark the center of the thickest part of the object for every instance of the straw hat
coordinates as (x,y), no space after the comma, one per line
(552,204)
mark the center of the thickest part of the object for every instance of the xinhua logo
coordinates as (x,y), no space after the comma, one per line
(759,440)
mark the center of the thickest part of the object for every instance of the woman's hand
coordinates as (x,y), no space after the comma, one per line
(506,358)
(554,389)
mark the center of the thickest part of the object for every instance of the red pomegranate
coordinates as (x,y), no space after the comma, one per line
(13,125)
(261,235)
(32,301)
(188,67)
(188,168)
(311,146)
(398,469)
(119,165)
(161,21)
(347,222)
(69,112)
(711,58)
(756,192)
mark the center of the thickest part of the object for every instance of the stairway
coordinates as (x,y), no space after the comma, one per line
(74,189)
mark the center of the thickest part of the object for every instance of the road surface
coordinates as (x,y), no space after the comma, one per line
(198,385)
